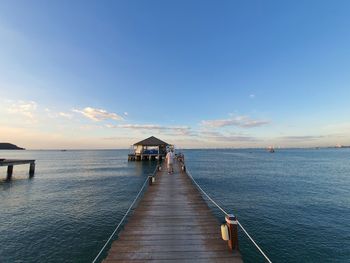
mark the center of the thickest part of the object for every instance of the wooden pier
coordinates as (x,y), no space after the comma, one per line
(172,223)
(12,162)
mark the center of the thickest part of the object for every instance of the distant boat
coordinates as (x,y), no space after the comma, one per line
(64,150)
(342,146)
(271,149)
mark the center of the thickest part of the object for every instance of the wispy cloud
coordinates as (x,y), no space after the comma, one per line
(223,137)
(252,96)
(54,114)
(303,137)
(182,130)
(98,114)
(65,115)
(239,121)
(24,108)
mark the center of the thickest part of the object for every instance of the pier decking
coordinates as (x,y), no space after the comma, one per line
(172,223)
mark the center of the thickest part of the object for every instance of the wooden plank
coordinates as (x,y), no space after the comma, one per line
(172,223)
(122,247)
(179,255)
(192,260)
(168,242)
(180,238)
(8,162)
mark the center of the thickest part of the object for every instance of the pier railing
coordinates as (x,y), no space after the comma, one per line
(150,179)
(227,215)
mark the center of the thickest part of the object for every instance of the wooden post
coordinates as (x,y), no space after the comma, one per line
(151,180)
(31,169)
(232,224)
(158,153)
(9,171)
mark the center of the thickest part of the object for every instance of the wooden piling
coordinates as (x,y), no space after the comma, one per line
(131,157)
(232,224)
(31,169)
(9,171)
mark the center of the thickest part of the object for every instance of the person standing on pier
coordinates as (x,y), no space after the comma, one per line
(170,160)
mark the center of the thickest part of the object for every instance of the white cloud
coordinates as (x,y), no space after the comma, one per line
(126,114)
(109,126)
(65,115)
(98,114)
(223,137)
(240,121)
(305,137)
(254,123)
(181,130)
(23,108)
(54,115)
(252,96)
(141,126)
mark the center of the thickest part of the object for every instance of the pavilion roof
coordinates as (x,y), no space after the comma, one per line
(151,141)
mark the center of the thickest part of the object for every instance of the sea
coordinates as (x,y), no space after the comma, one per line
(295,203)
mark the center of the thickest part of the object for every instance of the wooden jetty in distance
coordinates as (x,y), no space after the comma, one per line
(12,162)
(173,223)
(151,148)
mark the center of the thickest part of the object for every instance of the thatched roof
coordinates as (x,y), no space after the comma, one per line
(151,141)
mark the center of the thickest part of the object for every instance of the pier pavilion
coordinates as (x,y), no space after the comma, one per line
(148,149)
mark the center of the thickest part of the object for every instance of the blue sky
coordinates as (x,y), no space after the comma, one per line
(87,74)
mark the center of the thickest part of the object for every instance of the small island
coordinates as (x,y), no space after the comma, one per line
(9,146)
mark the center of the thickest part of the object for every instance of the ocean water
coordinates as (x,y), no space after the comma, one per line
(295,202)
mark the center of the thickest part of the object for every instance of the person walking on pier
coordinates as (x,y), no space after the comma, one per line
(170,160)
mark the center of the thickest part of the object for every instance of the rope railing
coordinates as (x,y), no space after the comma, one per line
(222,210)
(124,217)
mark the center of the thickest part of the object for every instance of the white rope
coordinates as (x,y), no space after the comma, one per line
(207,194)
(251,239)
(120,223)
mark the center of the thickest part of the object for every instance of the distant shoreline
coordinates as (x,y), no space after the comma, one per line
(9,146)
(181,149)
